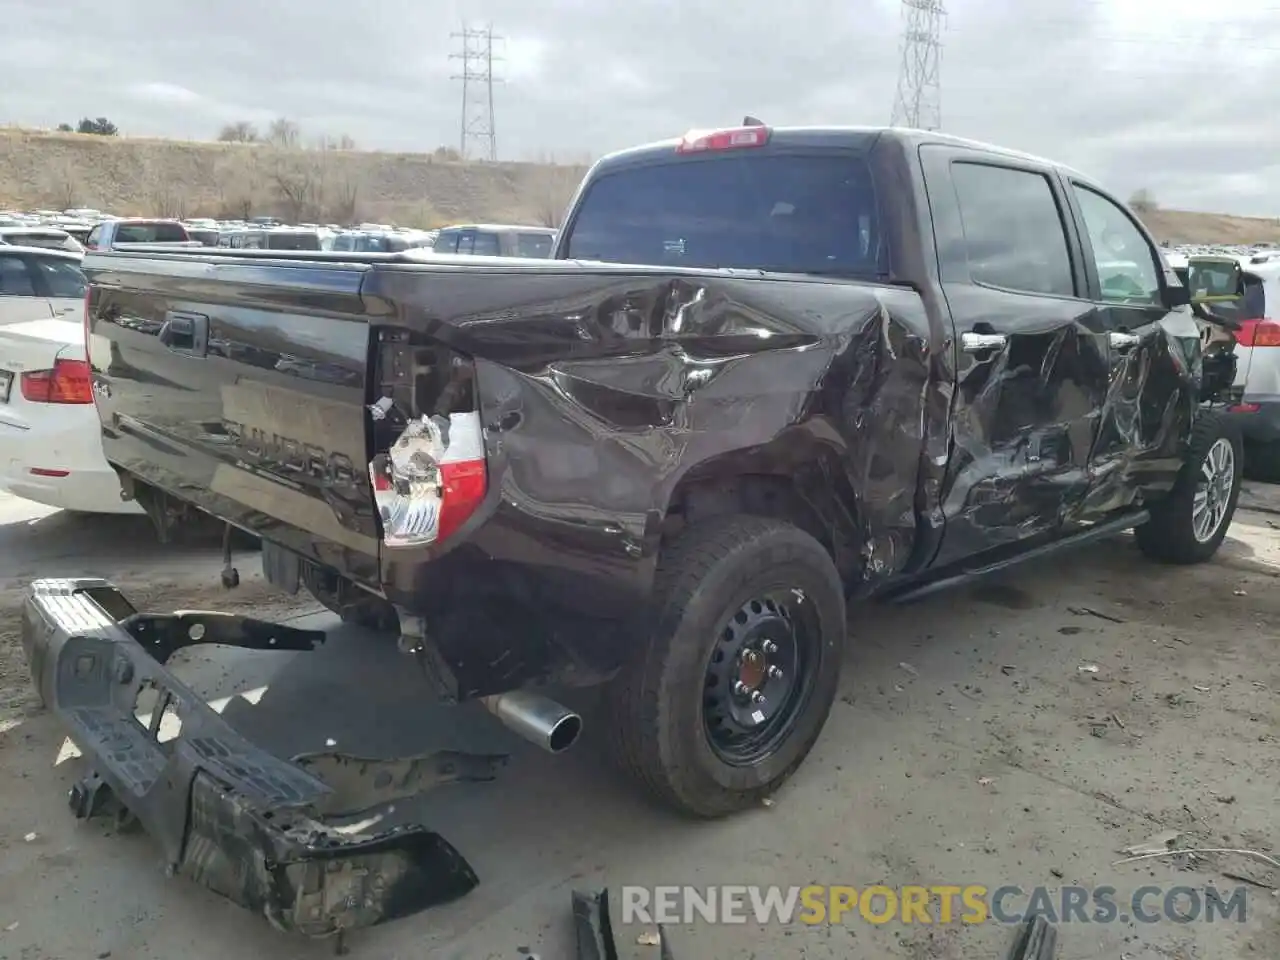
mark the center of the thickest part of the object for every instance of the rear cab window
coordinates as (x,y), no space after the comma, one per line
(446,243)
(776,208)
(152,232)
(293,241)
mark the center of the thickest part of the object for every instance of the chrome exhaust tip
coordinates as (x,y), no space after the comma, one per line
(538,719)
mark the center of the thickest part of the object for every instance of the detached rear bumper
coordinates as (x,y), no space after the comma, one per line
(228,815)
(1259,420)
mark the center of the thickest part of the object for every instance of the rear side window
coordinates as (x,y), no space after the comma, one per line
(15,280)
(446,243)
(62,278)
(1013,230)
(790,212)
(159,232)
(487,245)
(533,245)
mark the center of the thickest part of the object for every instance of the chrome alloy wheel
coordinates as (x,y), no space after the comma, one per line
(1213,490)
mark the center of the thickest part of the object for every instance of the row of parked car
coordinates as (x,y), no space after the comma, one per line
(50,451)
(80,229)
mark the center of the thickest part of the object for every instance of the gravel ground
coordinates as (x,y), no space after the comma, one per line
(968,746)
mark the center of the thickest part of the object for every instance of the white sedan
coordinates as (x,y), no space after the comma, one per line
(50,439)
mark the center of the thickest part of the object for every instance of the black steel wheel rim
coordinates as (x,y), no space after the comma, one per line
(759,676)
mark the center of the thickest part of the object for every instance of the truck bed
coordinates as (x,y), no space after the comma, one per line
(601,388)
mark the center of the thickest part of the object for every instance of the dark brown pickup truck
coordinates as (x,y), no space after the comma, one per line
(765,371)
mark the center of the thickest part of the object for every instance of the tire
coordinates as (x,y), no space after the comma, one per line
(658,715)
(1171,535)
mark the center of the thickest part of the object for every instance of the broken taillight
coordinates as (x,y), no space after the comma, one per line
(431,480)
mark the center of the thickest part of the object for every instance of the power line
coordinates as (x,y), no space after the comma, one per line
(918,102)
(478,135)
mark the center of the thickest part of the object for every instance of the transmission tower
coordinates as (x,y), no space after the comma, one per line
(479,136)
(919,100)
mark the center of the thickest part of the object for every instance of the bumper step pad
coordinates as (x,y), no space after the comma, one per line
(227,814)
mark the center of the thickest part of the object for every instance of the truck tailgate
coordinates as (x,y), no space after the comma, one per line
(214,385)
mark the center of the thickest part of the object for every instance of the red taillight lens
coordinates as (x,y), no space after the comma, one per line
(430,481)
(1259,333)
(67,382)
(701,141)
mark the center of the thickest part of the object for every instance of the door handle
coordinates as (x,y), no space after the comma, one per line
(1123,341)
(978,342)
(186,333)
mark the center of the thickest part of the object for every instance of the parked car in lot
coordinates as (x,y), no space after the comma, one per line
(1247,290)
(50,440)
(112,233)
(495,240)
(52,238)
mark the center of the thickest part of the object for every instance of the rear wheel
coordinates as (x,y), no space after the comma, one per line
(733,688)
(1190,523)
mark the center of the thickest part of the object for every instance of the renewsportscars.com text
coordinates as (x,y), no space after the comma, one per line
(936,904)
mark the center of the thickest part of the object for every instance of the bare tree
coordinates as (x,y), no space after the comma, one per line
(284,133)
(239,180)
(65,188)
(299,182)
(558,188)
(1143,201)
(242,131)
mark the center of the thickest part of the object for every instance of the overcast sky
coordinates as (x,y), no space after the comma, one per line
(1173,95)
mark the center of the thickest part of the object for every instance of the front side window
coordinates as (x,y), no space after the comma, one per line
(1013,230)
(1125,262)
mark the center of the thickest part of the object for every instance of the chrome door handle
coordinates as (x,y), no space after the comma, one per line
(1123,341)
(978,342)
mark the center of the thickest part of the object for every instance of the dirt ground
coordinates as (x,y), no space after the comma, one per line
(973,743)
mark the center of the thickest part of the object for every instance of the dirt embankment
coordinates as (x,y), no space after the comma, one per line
(40,170)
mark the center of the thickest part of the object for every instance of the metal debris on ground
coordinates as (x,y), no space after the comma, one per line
(1088,668)
(1160,843)
(1037,940)
(1090,612)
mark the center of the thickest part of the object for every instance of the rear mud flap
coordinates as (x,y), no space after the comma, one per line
(228,815)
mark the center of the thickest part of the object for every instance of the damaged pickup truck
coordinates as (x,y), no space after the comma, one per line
(766,372)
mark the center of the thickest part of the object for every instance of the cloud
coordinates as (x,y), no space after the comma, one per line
(1170,97)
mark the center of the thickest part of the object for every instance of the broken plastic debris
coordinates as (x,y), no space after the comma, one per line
(1157,844)
(649,940)
(909,668)
(767,802)
(986,781)
(1088,668)
(11,927)
(30,837)
(1240,593)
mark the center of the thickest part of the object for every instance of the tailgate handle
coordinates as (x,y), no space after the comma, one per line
(186,333)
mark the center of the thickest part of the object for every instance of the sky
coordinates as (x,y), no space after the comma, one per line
(1175,97)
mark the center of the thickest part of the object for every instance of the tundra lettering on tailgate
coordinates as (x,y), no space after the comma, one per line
(280,454)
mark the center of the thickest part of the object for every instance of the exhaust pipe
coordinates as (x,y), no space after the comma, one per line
(538,719)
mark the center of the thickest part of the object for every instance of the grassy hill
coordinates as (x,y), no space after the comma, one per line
(178,178)
(126,176)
